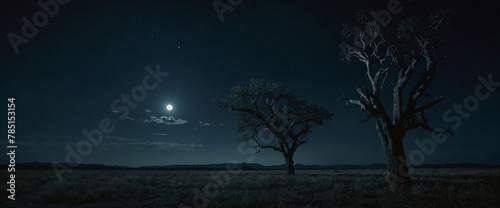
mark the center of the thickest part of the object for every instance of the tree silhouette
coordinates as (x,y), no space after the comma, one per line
(267,108)
(399,57)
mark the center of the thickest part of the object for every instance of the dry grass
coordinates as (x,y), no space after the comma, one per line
(325,188)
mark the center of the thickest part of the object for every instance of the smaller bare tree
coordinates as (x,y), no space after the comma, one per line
(266,107)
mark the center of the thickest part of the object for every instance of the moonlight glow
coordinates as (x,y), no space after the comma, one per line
(170,107)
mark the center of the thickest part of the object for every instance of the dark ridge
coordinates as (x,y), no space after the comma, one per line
(242,166)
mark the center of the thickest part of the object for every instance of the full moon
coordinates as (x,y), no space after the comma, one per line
(169,107)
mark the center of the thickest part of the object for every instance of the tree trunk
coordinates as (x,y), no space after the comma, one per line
(289,164)
(398,175)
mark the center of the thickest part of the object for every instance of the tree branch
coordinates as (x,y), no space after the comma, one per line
(421,108)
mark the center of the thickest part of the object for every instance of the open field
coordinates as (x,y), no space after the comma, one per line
(309,188)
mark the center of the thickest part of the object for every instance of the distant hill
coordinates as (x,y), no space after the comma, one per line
(48,166)
(244,166)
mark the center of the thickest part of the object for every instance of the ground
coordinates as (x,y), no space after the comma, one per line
(254,188)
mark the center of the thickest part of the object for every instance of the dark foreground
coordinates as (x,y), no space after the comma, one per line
(325,188)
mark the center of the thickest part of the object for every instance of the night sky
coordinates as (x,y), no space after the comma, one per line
(90,53)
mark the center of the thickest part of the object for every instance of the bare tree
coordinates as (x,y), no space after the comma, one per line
(407,54)
(263,107)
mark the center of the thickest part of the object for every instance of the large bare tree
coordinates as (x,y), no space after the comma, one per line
(404,58)
(266,108)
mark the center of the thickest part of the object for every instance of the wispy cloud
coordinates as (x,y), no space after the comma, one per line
(117,142)
(121,143)
(203,124)
(39,143)
(153,145)
(221,124)
(148,111)
(121,139)
(173,145)
(159,134)
(168,120)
